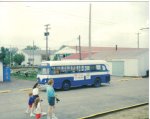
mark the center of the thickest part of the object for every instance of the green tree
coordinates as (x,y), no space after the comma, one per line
(56,58)
(32,47)
(7,60)
(19,58)
(4,55)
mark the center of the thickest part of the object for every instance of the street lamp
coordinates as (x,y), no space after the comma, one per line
(47,34)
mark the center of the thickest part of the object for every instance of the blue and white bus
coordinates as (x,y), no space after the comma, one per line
(73,73)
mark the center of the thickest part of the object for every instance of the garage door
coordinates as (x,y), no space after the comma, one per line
(118,68)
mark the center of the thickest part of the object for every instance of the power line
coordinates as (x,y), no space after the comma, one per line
(96,21)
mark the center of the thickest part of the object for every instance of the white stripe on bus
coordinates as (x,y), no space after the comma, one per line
(70,75)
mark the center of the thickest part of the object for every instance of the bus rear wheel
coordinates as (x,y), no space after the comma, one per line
(97,82)
(66,85)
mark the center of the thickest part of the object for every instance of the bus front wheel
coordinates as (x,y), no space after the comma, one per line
(97,82)
(66,85)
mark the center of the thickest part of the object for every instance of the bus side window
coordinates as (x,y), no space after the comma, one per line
(87,68)
(62,69)
(76,69)
(93,68)
(72,69)
(103,68)
(98,67)
(52,70)
(68,70)
(57,70)
(82,68)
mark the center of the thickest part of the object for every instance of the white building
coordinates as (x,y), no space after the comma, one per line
(126,62)
(122,61)
(34,57)
(1,72)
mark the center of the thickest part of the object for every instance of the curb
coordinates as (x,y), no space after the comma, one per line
(124,80)
(8,91)
(112,111)
(25,89)
(5,91)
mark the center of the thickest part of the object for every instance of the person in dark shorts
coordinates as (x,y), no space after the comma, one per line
(30,102)
(35,92)
(51,99)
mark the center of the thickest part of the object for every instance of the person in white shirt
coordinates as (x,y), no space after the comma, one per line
(35,90)
(35,93)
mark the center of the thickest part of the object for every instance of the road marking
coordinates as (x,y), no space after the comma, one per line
(112,111)
(19,90)
(25,89)
(5,91)
(137,78)
(124,79)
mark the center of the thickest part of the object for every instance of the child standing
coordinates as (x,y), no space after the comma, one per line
(30,103)
(51,100)
(38,110)
(35,93)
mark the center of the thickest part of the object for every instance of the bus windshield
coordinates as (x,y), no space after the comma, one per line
(43,71)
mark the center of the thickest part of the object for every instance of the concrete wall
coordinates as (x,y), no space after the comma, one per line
(109,67)
(37,59)
(1,72)
(131,67)
(134,67)
(143,63)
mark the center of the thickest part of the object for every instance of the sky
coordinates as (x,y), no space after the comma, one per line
(112,23)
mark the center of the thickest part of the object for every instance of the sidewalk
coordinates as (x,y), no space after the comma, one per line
(16,84)
(136,113)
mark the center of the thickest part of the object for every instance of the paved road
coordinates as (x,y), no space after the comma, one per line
(78,102)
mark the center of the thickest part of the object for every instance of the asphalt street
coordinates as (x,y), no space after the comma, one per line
(77,102)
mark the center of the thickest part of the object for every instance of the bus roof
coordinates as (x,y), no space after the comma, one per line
(74,62)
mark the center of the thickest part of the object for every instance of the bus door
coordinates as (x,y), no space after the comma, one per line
(78,75)
(87,77)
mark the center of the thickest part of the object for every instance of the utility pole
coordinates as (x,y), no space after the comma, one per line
(138,36)
(46,34)
(80,48)
(49,52)
(138,40)
(33,54)
(90,32)
(10,57)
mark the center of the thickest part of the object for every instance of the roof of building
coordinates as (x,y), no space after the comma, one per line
(77,56)
(108,53)
(120,54)
(85,49)
(97,49)
(66,50)
(37,52)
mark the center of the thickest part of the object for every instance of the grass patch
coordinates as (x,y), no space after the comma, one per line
(24,74)
(23,77)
